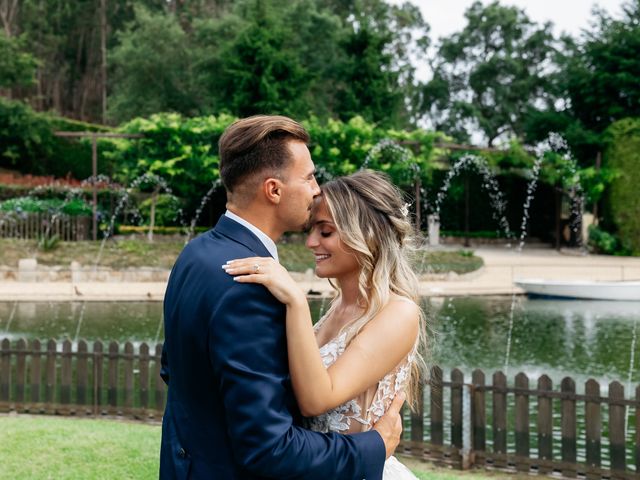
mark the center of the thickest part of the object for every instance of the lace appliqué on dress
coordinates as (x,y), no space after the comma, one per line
(339,419)
(388,387)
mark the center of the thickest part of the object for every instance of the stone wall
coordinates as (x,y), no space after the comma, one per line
(30,271)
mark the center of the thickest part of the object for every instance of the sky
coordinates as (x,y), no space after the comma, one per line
(571,16)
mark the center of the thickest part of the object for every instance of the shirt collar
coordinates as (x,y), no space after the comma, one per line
(263,237)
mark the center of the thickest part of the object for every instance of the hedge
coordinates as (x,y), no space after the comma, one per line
(623,154)
(28,143)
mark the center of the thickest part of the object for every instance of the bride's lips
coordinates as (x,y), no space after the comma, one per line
(321,256)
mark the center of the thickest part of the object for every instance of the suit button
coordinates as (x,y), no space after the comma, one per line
(182,453)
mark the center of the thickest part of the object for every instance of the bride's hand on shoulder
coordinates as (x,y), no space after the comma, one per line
(266,271)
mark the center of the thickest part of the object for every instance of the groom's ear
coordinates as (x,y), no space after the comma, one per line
(272,188)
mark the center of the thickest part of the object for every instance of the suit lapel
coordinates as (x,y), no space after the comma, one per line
(239,233)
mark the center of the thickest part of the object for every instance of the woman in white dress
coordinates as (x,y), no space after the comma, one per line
(347,369)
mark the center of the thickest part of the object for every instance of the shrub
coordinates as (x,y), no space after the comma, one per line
(74,207)
(605,242)
(28,143)
(623,155)
(47,244)
(167,210)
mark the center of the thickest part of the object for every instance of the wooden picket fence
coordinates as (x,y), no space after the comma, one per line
(86,380)
(512,427)
(38,225)
(491,426)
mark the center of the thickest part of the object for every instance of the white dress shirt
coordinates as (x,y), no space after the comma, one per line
(263,237)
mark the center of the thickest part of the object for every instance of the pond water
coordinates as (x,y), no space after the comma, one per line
(580,339)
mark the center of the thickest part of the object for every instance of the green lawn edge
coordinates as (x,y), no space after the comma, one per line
(125,253)
(64,448)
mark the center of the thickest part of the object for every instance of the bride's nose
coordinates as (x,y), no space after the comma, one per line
(312,239)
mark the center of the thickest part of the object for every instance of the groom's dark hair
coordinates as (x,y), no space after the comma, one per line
(254,148)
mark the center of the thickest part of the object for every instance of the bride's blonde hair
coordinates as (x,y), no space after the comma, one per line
(372,219)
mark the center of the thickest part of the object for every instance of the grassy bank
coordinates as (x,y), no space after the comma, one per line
(41,447)
(137,252)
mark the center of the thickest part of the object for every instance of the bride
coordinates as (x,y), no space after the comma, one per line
(347,369)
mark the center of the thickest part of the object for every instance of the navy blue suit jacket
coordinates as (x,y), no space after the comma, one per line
(231,411)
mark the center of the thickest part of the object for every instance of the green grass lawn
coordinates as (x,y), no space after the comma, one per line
(63,448)
(43,447)
(137,252)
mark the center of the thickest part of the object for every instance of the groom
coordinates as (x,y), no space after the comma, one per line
(231,412)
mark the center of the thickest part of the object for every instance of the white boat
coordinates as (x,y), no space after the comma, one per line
(583,289)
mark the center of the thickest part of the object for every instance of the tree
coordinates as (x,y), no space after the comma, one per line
(17,67)
(599,78)
(306,56)
(376,79)
(151,68)
(491,75)
(261,72)
(65,37)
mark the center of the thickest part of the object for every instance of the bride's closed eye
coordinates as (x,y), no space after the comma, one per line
(325,234)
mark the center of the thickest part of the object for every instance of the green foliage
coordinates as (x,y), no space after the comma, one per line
(602,70)
(17,67)
(28,143)
(166,210)
(183,151)
(605,242)
(151,68)
(74,207)
(25,136)
(341,148)
(48,244)
(261,72)
(596,75)
(370,91)
(623,155)
(65,37)
(491,74)
(459,262)
(297,58)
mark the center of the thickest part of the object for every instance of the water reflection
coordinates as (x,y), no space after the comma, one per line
(581,339)
(121,321)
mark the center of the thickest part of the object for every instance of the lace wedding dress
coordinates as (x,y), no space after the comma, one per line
(362,412)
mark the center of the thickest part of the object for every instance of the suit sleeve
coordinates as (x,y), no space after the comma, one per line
(164,365)
(248,350)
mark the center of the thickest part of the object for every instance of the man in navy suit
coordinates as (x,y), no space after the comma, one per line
(231,412)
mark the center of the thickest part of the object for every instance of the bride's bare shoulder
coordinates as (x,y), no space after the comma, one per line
(396,300)
(402,309)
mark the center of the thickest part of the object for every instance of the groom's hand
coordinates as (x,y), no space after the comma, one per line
(390,425)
